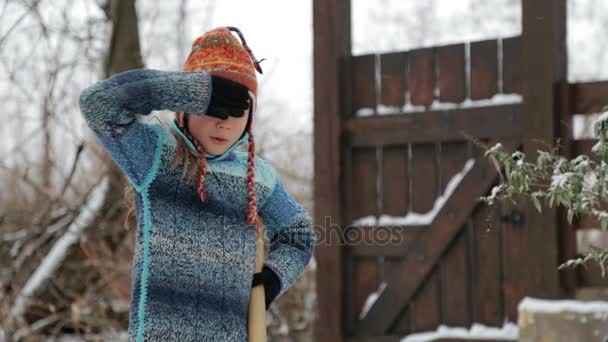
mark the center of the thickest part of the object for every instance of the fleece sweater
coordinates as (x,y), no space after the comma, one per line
(193,262)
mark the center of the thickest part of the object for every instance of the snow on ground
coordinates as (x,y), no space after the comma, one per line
(508,332)
(598,308)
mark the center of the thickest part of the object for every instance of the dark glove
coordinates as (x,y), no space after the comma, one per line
(228,98)
(271,284)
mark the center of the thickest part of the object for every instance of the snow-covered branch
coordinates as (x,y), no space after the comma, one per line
(579,185)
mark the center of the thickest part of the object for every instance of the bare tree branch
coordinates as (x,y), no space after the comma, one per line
(54,258)
(18,21)
(68,180)
(39,188)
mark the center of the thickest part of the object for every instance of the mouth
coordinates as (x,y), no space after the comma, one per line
(218,140)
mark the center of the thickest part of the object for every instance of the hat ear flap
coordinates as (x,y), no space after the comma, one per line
(249,121)
(250,118)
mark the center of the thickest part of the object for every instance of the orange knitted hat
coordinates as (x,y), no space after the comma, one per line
(220,53)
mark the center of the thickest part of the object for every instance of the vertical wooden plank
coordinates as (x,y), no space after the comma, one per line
(511,65)
(453,159)
(363,73)
(363,184)
(452,73)
(544,66)
(484,69)
(365,281)
(425,306)
(488,301)
(454,299)
(421,81)
(349,261)
(332,39)
(516,253)
(393,76)
(363,192)
(395,185)
(424,183)
(424,177)
(567,231)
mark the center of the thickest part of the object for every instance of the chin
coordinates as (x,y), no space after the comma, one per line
(216,151)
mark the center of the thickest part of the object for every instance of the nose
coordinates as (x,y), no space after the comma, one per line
(223,123)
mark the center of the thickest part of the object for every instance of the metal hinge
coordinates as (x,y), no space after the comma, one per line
(514,217)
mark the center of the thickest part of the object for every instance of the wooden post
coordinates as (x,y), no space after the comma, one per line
(332,43)
(567,231)
(544,58)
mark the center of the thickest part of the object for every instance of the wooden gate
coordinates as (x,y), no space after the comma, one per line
(396,173)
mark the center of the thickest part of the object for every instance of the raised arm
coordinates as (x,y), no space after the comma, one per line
(110,108)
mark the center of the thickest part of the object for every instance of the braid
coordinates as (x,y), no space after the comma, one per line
(255,62)
(202,172)
(202,165)
(252,207)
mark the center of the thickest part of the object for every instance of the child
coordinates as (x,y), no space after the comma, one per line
(193,266)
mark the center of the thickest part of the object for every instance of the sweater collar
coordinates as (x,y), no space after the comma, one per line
(229,154)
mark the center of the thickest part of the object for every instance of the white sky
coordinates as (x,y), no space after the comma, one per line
(281,32)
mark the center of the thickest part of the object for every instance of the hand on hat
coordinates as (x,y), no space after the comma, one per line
(228,98)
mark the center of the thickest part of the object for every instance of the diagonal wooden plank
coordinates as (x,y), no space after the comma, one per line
(425,254)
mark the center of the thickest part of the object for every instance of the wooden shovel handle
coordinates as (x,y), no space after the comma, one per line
(257,303)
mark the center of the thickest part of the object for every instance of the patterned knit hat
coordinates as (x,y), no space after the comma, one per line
(219,52)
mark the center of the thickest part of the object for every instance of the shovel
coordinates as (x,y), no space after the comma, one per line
(257,302)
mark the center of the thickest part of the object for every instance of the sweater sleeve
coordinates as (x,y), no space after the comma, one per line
(289,228)
(111,107)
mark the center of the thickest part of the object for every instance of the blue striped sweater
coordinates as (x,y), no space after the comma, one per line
(193,261)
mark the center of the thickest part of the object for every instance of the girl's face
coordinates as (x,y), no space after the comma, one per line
(218,135)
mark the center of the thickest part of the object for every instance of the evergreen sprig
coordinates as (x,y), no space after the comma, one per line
(579,185)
